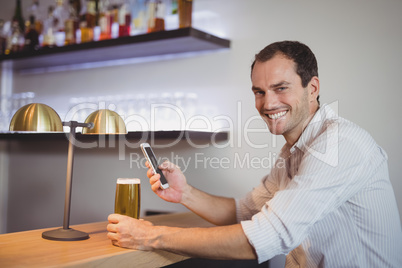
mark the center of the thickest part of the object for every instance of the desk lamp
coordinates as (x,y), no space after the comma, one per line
(37,117)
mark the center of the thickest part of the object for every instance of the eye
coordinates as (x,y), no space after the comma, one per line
(281,89)
(259,93)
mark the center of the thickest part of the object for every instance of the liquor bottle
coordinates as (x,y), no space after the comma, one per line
(71,24)
(156,19)
(18,17)
(88,21)
(160,16)
(124,19)
(90,15)
(60,16)
(139,13)
(3,37)
(31,36)
(49,28)
(34,11)
(151,8)
(16,40)
(185,8)
(104,20)
(17,29)
(114,21)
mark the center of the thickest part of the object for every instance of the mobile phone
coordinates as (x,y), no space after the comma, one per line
(150,156)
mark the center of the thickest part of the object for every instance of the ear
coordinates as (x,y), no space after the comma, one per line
(314,88)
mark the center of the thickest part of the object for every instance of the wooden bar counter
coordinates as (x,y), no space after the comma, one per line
(29,249)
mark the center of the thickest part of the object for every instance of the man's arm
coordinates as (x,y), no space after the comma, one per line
(224,242)
(215,209)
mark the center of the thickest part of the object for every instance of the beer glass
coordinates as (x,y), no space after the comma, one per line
(128,197)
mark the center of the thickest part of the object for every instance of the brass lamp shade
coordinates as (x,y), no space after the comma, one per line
(36,117)
(105,122)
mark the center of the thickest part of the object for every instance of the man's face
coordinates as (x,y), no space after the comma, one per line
(280,98)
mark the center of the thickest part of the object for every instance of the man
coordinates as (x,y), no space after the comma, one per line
(327,202)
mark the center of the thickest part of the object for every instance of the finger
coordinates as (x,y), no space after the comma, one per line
(156,186)
(147,164)
(113,218)
(150,173)
(154,178)
(169,166)
(165,165)
(112,236)
(111,228)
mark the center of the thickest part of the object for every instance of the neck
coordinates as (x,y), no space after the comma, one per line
(292,138)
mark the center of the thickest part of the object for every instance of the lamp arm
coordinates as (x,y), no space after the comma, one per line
(74,124)
(70,163)
(69,178)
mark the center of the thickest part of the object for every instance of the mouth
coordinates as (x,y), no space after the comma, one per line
(276,116)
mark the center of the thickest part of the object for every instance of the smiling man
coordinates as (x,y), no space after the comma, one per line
(327,202)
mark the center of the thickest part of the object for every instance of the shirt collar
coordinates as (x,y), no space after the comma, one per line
(313,128)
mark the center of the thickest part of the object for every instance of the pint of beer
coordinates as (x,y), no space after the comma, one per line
(128,197)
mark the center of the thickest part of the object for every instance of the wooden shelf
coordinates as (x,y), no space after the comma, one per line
(152,44)
(131,136)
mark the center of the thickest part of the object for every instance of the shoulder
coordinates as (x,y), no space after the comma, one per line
(330,138)
(336,130)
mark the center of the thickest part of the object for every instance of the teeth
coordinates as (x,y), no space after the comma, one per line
(278,115)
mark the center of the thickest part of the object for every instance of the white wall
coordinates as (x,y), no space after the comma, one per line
(358,47)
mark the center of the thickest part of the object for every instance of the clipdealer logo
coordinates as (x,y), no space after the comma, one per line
(203,161)
(241,133)
(240,129)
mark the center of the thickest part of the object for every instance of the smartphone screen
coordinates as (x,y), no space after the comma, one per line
(149,154)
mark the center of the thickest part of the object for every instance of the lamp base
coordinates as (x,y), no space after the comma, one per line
(65,235)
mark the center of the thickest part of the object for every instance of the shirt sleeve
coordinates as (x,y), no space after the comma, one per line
(253,202)
(323,182)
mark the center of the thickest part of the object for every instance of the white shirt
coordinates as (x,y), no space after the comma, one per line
(327,202)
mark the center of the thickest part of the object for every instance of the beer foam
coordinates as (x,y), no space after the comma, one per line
(128,181)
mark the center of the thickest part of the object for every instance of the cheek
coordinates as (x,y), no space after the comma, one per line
(259,104)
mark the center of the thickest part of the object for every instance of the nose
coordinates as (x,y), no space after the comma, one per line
(271,101)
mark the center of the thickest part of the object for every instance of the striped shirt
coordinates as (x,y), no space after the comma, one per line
(327,202)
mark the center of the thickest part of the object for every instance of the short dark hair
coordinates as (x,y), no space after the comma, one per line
(304,59)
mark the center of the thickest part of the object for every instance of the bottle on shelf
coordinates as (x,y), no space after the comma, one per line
(156,16)
(35,11)
(151,8)
(185,8)
(3,37)
(104,20)
(88,21)
(31,36)
(124,19)
(171,18)
(18,18)
(16,40)
(49,28)
(78,21)
(72,23)
(139,15)
(114,21)
(60,16)
(34,27)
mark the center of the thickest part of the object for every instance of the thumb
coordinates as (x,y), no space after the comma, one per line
(168,166)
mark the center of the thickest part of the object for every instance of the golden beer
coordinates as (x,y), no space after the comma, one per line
(128,197)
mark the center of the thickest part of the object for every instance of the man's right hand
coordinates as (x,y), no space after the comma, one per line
(176,179)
